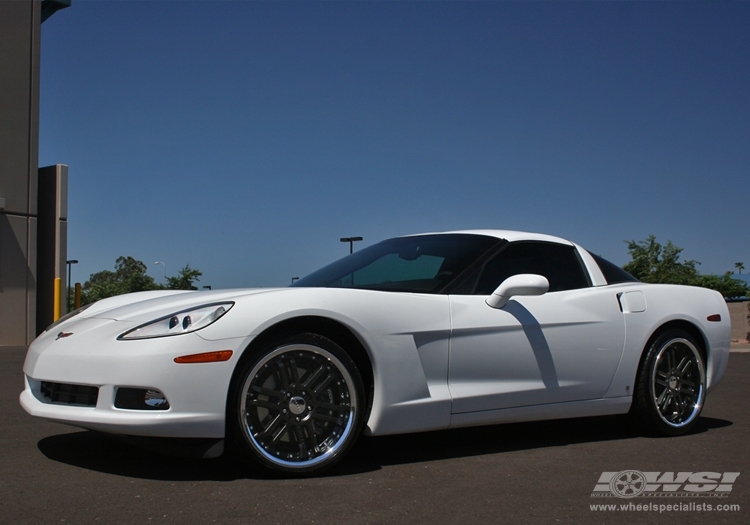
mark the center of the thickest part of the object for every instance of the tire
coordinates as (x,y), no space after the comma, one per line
(295,407)
(671,386)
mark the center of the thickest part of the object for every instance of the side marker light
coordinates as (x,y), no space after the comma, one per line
(207,357)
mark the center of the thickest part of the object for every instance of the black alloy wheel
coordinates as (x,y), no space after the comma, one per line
(296,407)
(671,385)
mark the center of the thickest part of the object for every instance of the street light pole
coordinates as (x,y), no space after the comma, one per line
(70,264)
(164,280)
(351,241)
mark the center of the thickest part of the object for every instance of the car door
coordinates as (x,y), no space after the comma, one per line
(562,346)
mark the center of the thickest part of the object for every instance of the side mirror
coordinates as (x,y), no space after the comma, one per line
(521,284)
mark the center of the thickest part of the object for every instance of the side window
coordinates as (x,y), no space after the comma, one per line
(560,264)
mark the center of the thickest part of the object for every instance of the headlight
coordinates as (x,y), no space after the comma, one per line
(182,322)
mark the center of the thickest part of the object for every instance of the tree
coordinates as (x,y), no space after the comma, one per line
(739,267)
(184,279)
(653,263)
(129,276)
(725,285)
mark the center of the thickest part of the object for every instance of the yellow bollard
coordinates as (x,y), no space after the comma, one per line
(78,296)
(58,294)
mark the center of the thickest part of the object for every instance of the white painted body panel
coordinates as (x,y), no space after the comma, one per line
(662,304)
(531,352)
(406,335)
(437,361)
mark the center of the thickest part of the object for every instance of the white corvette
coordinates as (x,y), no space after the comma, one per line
(416,333)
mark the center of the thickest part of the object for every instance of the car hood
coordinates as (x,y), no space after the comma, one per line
(145,306)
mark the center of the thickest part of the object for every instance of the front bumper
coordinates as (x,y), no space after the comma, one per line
(91,356)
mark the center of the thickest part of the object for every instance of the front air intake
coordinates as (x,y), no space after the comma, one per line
(67,394)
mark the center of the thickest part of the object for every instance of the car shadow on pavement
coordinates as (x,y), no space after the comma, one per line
(104,453)
(497,439)
(107,453)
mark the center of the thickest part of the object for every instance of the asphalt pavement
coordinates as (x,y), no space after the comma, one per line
(541,472)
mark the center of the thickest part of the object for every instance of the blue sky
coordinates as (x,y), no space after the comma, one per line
(246,138)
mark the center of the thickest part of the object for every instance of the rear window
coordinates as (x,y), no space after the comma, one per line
(613,273)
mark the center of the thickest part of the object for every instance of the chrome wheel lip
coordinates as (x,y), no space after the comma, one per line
(673,378)
(342,439)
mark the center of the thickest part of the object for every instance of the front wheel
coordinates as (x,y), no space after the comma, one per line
(671,385)
(296,406)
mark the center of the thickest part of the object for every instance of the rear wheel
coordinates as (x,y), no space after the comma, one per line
(296,406)
(671,384)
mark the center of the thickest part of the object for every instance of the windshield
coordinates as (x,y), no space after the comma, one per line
(420,264)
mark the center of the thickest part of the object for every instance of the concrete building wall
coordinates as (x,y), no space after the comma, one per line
(52,242)
(19,138)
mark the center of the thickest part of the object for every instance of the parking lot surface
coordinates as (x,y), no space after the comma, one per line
(518,473)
